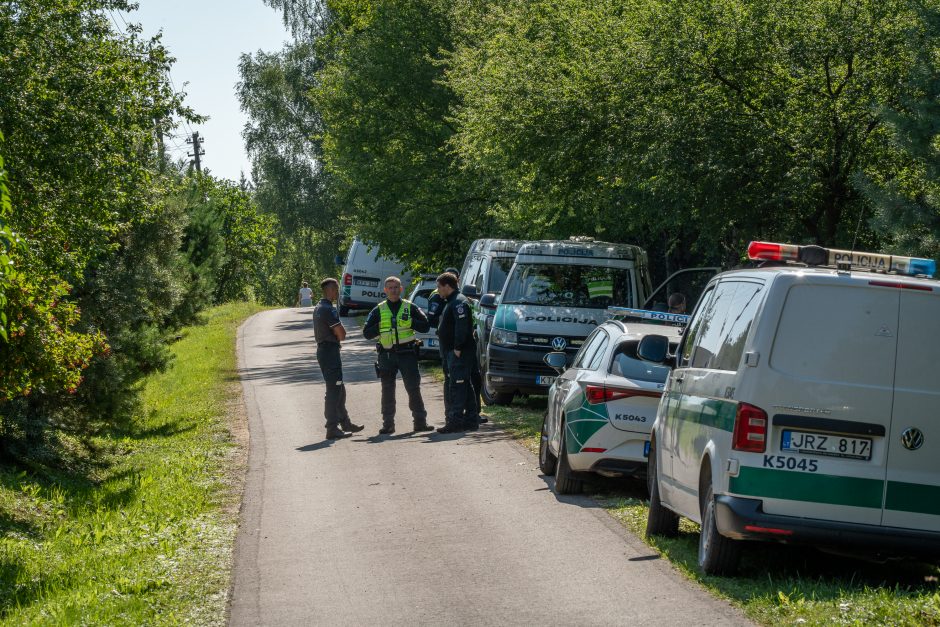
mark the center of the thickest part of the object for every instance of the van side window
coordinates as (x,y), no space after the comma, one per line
(478,279)
(587,349)
(600,352)
(695,328)
(724,325)
(743,309)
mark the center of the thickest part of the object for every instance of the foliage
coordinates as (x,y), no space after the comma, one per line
(907,197)
(385,107)
(140,533)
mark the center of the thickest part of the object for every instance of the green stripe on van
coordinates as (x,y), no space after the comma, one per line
(809,487)
(913,497)
(706,411)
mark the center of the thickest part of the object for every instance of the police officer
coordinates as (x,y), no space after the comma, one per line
(393,324)
(329,332)
(455,331)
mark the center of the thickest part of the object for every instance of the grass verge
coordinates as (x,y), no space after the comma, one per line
(777,584)
(147,537)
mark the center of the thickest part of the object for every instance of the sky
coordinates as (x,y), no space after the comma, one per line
(207,38)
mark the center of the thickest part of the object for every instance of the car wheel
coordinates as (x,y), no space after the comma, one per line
(659,521)
(565,482)
(717,555)
(491,396)
(343,310)
(547,461)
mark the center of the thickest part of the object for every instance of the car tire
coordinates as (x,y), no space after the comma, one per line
(717,555)
(547,462)
(660,521)
(343,310)
(492,397)
(565,482)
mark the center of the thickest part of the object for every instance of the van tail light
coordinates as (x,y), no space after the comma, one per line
(597,394)
(750,429)
(347,279)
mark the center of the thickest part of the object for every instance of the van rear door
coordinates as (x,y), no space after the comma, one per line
(829,393)
(913,491)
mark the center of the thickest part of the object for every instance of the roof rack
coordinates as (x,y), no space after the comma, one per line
(844,260)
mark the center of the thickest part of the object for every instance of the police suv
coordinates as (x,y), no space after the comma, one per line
(804,408)
(556,294)
(601,409)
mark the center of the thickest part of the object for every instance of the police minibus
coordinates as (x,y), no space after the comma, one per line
(803,408)
(556,294)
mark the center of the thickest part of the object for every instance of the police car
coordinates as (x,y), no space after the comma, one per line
(804,408)
(601,409)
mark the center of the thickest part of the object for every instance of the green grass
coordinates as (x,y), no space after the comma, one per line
(777,584)
(147,537)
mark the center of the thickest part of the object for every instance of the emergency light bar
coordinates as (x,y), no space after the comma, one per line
(644,314)
(819,256)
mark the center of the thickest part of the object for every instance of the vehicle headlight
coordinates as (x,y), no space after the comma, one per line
(502,337)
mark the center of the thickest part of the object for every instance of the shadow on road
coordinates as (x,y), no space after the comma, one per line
(316,446)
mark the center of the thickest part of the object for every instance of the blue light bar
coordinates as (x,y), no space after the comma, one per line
(922,266)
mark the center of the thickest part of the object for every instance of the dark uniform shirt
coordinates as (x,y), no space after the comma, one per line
(456,325)
(325,317)
(419,322)
(435,308)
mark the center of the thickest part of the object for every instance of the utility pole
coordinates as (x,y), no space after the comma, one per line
(197,152)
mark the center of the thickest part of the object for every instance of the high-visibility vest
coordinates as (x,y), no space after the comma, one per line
(395,329)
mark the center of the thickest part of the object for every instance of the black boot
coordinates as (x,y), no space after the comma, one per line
(335,433)
(348,425)
(423,426)
(388,428)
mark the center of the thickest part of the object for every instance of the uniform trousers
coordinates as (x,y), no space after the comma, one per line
(389,364)
(331,365)
(463,405)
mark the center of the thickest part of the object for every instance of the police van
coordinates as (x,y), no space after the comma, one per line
(484,272)
(364,273)
(420,295)
(803,408)
(555,295)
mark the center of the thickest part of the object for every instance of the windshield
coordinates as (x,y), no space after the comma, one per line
(498,271)
(557,285)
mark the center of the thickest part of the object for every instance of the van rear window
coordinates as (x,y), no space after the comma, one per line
(839,334)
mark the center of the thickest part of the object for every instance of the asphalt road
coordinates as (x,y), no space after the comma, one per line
(419,529)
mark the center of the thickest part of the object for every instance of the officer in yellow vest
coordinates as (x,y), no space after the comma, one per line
(393,324)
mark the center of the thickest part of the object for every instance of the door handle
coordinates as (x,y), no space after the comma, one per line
(679,379)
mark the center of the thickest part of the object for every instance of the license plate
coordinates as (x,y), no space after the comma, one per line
(432,343)
(366,282)
(826,444)
(544,380)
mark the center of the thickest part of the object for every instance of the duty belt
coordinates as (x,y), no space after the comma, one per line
(406,346)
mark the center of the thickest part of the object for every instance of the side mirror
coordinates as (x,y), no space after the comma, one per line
(653,348)
(338,260)
(470,291)
(488,301)
(557,361)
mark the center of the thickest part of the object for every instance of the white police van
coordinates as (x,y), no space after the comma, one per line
(556,294)
(362,286)
(804,408)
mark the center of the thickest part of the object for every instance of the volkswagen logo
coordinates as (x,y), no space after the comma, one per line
(559,343)
(912,438)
